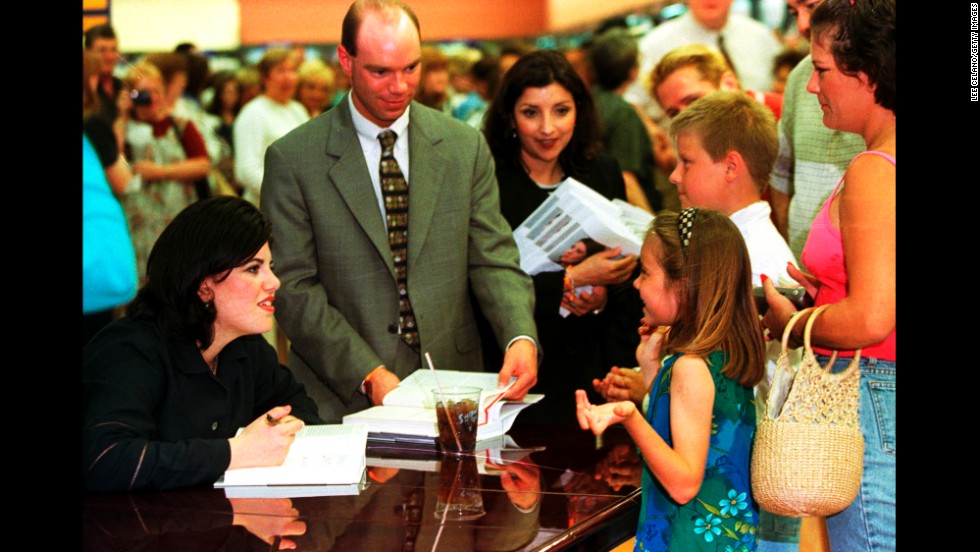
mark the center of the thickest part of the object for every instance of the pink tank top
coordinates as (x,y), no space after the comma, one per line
(823,256)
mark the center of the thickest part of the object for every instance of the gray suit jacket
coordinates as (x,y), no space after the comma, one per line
(338,302)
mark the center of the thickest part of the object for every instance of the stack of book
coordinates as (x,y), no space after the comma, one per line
(324,460)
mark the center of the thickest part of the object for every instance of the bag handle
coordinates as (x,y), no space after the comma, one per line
(789,328)
(809,350)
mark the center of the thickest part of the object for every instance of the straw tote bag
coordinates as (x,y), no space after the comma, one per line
(808,454)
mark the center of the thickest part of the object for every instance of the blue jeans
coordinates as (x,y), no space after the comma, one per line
(868,524)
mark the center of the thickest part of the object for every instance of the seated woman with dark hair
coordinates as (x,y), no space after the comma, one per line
(167,387)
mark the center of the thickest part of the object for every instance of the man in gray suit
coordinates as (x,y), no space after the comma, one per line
(339,300)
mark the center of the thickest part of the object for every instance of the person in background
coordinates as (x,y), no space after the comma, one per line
(812,157)
(341,83)
(355,338)
(542,129)
(198,77)
(781,67)
(510,52)
(748,44)
(225,104)
(222,109)
(176,71)
(173,70)
(691,72)
(578,56)
(850,250)
(166,388)
(266,118)
(102,134)
(167,154)
(186,48)
(251,82)
(101,40)
(485,76)
(108,260)
(613,58)
(434,90)
(460,81)
(188,106)
(315,87)
(703,352)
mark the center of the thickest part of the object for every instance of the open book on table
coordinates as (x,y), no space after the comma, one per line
(323,460)
(409,409)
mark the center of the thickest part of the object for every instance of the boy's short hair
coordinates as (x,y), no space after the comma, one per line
(733,121)
(709,63)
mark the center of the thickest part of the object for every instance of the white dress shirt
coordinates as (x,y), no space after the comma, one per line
(367,134)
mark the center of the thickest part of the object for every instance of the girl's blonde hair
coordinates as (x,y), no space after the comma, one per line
(713,278)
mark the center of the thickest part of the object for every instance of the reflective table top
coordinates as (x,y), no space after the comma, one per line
(544,487)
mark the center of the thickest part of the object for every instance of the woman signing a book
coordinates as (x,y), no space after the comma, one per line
(542,129)
(167,387)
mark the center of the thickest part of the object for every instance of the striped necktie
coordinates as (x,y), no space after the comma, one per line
(394,190)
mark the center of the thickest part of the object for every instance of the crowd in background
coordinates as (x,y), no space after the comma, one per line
(190,120)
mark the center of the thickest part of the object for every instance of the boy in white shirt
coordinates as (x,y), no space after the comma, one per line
(726,146)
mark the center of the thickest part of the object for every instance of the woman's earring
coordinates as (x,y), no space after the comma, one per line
(513,133)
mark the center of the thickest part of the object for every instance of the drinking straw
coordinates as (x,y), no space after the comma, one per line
(445,404)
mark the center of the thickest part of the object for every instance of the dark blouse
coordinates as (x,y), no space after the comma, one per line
(575,349)
(154,417)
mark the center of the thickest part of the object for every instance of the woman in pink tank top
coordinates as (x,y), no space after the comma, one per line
(850,250)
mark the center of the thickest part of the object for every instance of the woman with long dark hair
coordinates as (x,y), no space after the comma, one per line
(167,387)
(543,129)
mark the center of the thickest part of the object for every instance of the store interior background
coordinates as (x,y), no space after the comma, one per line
(236,32)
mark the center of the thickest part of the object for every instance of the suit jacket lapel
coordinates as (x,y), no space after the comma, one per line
(425,180)
(349,175)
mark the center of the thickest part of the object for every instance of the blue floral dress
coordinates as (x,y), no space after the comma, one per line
(723,516)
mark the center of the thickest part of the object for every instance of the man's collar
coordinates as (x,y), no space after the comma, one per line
(368,129)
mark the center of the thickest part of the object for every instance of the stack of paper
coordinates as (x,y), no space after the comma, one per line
(323,460)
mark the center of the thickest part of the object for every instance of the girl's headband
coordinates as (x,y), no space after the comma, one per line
(685,220)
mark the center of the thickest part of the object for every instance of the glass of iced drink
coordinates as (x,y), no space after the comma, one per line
(457,411)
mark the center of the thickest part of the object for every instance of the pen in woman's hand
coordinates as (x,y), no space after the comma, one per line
(270,420)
